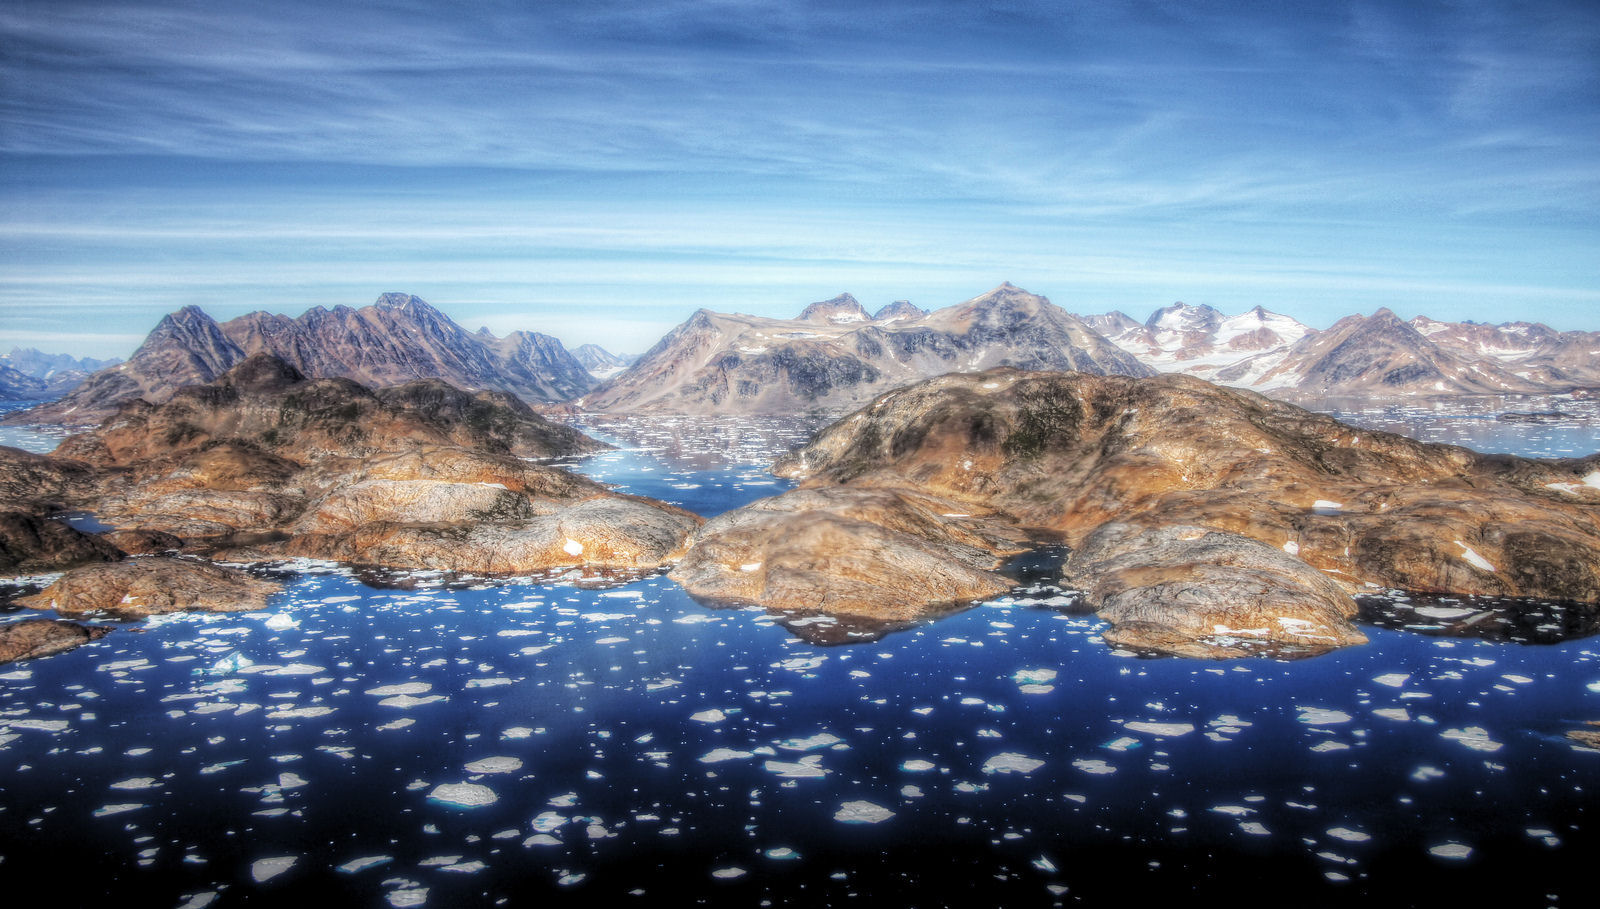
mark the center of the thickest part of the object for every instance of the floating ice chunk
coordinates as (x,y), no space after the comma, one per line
(495,765)
(1330,745)
(38,724)
(572,547)
(1425,773)
(810,743)
(1093,765)
(463,795)
(281,621)
(198,900)
(1451,850)
(406,701)
(1255,828)
(1322,716)
(117,809)
(729,873)
(782,853)
(1033,676)
(548,821)
(402,688)
(860,812)
(138,782)
(1517,679)
(268,868)
(1398,714)
(230,664)
(465,867)
(1162,729)
(1233,810)
(397,724)
(1474,737)
(610,640)
(1348,835)
(541,839)
(719,755)
(290,713)
(516,732)
(808,767)
(290,669)
(365,862)
(917,766)
(488,683)
(408,897)
(1393,679)
(1011,762)
(709,716)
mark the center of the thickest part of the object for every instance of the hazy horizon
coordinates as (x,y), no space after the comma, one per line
(597,171)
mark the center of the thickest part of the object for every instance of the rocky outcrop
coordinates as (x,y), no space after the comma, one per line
(835,357)
(148,586)
(886,555)
(398,339)
(1204,593)
(266,464)
(1067,454)
(41,484)
(30,543)
(42,637)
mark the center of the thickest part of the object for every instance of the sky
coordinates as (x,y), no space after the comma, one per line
(598,170)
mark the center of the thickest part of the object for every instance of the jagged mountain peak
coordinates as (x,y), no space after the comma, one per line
(899,309)
(838,310)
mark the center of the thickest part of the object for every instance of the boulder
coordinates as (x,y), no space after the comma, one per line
(30,543)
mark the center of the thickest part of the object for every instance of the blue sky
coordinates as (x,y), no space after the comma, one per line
(597,170)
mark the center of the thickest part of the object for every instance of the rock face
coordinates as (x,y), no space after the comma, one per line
(149,586)
(1070,453)
(1204,593)
(885,555)
(29,543)
(1531,351)
(42,637)
(398,339)
(835,357)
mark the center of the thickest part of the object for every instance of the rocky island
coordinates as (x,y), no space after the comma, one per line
(1202,520)
(265,464)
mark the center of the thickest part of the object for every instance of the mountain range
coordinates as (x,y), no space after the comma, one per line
(29,375)
(831,358)
(835,356)
(399,338)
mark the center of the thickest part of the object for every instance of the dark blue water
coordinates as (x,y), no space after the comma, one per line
(625,741)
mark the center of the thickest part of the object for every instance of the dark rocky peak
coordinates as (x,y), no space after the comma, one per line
(262,373)
(1007,296)
(399,301)
(841,309)
(899,309)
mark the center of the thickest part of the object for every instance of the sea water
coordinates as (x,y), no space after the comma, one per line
(421,739)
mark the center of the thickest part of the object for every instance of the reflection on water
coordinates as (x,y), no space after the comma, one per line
(1486,618)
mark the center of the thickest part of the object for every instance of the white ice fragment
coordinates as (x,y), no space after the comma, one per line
(1321,716)
(1473,559)
(1325,507)
(718,755)
(281,621)
(1150,727)
(709,716)
(363,863)
(1474,737)
(463,795)
(1398,714)
(268,868)
(1255,828)
(1348,835)
(406,701)
(917,766)
(1393,679)
(1451,850)
(1011,762)
(408,897)
(810,743)
(117,809)
(572,547)
(1291,547)
(808,767)
(495,765)
(1033,676)
(729,873)
(750,566)
(402,688)
(138,782)
(488,683)
(1093,765)
(861,812)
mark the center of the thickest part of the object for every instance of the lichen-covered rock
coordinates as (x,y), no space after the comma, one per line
(147,586)
(30,543)
(870,553)
(1204,593)
(34,638)
(143,542)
